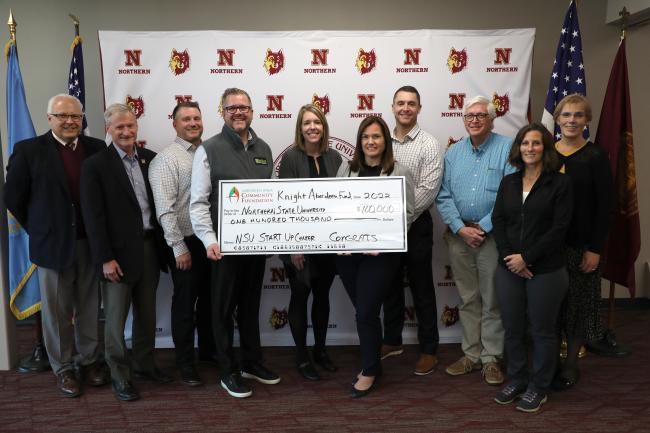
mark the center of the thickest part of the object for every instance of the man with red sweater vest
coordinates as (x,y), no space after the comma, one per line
(42,192)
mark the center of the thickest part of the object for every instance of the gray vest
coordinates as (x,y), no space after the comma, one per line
(230,161)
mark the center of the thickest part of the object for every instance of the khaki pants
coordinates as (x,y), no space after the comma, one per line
(474,270)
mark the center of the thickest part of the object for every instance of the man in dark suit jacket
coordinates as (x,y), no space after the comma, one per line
(127,243)
(42,192)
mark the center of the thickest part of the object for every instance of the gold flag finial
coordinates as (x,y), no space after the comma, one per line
(77,38)
(624,14)
(76,24)
(12,26)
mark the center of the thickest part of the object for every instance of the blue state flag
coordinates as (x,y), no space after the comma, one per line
(24,292)
(568,74)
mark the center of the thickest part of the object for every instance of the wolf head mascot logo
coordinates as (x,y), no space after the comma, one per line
(457,60)
(449,315)
(451,140)
(179,62)
(323,103)
(366,61)
(136,104)
(279,318)
(273,62)
(501,103)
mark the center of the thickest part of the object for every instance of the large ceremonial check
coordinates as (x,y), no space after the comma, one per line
(312,215)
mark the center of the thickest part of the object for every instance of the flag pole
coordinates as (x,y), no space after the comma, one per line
(76,24)
(608,346)
(37,361)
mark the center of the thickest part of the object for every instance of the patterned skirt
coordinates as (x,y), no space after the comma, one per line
(580,315)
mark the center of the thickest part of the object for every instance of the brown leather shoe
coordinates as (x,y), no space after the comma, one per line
(388,350)
(463,366)
(426,364)
(492,373)
(95,374)
(68,384)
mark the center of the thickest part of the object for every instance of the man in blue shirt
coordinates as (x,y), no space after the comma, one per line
(473,171)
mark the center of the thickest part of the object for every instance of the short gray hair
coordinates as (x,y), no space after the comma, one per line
(114,109)
(53,99)
(480,99)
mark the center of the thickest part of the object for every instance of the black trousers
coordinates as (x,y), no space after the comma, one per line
(419,270)
(316,278)
(538,302)
(367,279)
(237,285)
(192,293)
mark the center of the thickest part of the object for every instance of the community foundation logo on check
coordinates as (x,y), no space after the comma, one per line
(244,194)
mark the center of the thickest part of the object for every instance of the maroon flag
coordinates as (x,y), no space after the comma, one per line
(615,136)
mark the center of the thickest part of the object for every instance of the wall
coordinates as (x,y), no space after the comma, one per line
(45,33)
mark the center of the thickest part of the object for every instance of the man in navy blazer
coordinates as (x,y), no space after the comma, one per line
(42,192)
(127,243)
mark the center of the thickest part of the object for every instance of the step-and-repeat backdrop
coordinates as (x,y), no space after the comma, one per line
(350,75)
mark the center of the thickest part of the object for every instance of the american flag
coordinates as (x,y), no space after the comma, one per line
(76,85)
(568,75)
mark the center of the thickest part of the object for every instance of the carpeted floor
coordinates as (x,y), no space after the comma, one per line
(612,396)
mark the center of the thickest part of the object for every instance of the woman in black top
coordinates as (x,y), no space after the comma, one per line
(531,216)
(367,277)
(310,157)
(588,168)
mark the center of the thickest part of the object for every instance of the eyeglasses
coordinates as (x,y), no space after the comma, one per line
(232,109)
(63,117)
(477,116)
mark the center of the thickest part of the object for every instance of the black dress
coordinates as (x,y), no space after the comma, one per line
(593,187)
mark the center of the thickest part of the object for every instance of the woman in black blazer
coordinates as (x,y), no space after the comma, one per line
(531,216)
(310,157)
(368,277)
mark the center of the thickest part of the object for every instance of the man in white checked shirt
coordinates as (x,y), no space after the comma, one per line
(421,153)
(170,176)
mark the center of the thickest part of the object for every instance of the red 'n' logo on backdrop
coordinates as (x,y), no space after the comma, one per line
(501,103)
(456,101)
(179,62)
(136,104)
(225,57)
(502,56)
(274,102)
(273,62)
(412,56)
(132,57)
(366,61)
(457,60)
(323,103)
(182,98)
(366,102)
(319,57)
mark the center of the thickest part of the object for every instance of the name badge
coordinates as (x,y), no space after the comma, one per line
(261,161)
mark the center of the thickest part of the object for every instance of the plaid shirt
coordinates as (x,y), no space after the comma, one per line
(170,175)
(424,157)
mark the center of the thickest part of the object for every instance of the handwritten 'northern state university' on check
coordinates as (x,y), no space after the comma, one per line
(307,216)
